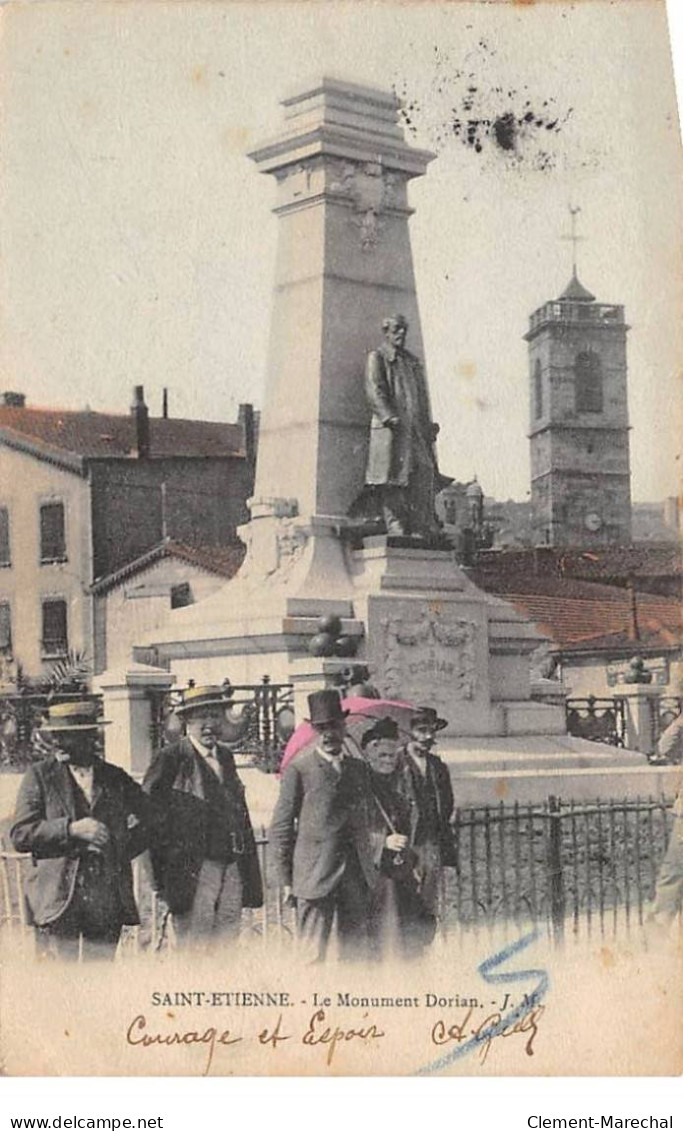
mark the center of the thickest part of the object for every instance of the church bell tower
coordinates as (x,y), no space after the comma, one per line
(579,430)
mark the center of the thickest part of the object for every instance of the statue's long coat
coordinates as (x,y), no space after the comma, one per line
(396,387)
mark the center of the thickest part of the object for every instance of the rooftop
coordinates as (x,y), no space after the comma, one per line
(575,291)
(576,304)
(583,616)
(221,560)
(86,435)
(612,564)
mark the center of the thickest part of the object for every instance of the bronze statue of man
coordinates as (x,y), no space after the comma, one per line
(402,466)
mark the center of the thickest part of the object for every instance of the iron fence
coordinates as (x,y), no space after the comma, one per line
(563,865)
(259,718)
(598,719)
(573,870)
(21,714)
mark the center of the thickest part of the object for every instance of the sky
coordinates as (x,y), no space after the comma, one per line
(137,244)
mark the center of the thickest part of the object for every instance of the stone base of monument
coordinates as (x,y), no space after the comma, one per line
(530,769)
(428,635)
(511,775)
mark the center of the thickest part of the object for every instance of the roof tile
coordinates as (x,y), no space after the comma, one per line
(97,435)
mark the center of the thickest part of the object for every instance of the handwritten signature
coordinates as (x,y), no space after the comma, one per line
(527,1025)
(523,1018)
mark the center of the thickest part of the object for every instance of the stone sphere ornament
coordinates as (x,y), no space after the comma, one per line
(330,624)
(322,644)
(345,646)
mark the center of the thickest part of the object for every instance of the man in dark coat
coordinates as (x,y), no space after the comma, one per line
(320,838)
(83,821)
(425,780)
(205,865)
(401,459)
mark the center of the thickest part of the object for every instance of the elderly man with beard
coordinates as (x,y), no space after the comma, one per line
(83,821)
(205,864)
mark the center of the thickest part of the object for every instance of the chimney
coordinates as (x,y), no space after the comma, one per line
(14,400)
(633,627)
(141,415)
(164,403)
(245,418)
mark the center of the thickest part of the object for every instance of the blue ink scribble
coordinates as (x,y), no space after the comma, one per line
(529,1001)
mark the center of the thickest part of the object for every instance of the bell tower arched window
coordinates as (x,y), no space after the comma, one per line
(538,390)
(588,382)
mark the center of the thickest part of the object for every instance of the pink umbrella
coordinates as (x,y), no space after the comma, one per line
(362,712)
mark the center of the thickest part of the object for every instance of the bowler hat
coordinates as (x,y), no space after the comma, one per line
(197,697)
(383,728)
(325,707)
(80,714)
(427,716)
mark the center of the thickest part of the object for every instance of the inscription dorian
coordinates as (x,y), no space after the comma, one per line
(429,653)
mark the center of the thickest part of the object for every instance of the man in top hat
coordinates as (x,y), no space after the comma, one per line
(205,865)
(320,838)
(83,820)
(426,781)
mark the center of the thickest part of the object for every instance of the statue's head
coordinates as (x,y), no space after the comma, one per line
(395,329)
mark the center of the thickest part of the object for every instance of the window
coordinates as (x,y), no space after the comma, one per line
(588,382)
(538,390)
(54,637)
(5,558)
(52,533)
(181,595)
(5,629)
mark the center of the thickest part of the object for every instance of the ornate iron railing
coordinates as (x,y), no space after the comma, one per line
(259,719)
(599,720)
(20,716)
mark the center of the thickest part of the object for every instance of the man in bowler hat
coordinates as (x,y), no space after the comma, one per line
(83,820)
(205,864)
(427,783)
(320,837)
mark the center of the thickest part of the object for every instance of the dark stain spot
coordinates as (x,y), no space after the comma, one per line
(505,131)
(464,103)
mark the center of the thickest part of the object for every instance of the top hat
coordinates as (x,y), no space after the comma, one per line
(197,697)
(383,728)
(427,716)
(77,715)
(325,707)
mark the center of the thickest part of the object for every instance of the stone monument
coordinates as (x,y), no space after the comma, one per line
(341,168)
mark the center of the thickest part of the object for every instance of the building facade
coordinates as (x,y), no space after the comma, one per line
(82,494)
(138,597)
(579,426)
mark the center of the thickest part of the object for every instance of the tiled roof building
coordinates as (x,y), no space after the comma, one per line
(85,494)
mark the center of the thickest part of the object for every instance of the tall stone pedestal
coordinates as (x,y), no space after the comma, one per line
(642,709)
(128,707)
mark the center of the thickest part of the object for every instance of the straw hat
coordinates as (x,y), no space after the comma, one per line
(80,714)
(197,697)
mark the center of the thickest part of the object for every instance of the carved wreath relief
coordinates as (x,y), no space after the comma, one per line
(428,655)
(372,189)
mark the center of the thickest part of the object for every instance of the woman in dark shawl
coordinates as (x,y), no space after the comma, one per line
(399,923)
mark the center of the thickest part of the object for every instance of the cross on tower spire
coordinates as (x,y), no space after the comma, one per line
(574,210)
